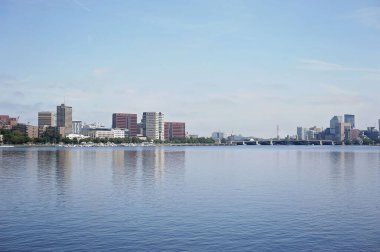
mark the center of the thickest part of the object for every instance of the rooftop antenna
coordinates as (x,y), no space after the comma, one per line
(278,132)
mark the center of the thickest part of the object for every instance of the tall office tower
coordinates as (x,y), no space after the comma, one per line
(334,123)
(174,130)
(153,125)
(301,133)
(342,131)
(350,119)
(77,127)
(46,119)
(125,121)
(64,118)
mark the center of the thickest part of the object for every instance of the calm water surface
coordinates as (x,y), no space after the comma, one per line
(248,198)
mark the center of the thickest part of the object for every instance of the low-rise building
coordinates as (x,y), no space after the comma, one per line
(42,129)
(77,136)
(7,122)
(104,133)
(372,133)
(1,139)
(27,129)
(119,133)
(355,134)
(192,136)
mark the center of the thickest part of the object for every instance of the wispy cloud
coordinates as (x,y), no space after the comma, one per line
(100,71)
(81,5)
(336,96)
(312,64)
(369,16)
(320,65)
(6,80)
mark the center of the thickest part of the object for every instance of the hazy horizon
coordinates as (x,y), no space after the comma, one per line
(234,66)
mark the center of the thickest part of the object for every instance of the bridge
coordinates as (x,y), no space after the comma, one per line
(283,142)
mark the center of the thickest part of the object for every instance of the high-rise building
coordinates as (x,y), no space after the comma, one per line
(77,127)
(64,118)
(334,123)
(350,119)
(301,133)
(342,131)
(174,130)
(125,121)
(217,135)
(153,125)
(46,118)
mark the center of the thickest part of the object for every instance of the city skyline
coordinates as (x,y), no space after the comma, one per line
(241,67)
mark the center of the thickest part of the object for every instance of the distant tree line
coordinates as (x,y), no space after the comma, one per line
(14,137)
(51,137)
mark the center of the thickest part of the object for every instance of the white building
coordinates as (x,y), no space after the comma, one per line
(105,133)
(1,138)
(77,136)
(77,127)
(153,125)
(119,133)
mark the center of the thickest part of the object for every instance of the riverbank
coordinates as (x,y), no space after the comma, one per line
(92,145)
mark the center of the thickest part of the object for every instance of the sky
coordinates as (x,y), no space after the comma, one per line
(240,67)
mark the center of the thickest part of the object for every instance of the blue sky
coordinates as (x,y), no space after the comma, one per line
(235,66)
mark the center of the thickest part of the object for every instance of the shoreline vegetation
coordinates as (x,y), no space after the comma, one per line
(14,138)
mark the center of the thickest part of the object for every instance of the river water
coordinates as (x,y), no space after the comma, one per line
(242,198)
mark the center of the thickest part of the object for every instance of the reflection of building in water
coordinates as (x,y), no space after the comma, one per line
(124,162)
(118,160)
(63,168)
(342,165)
(175,161)
(162,163)
(46,161)
(149,166)
(153,164)
(124,166)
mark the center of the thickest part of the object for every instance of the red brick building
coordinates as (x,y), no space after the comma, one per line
(174,130)
(7,122)
(125,121)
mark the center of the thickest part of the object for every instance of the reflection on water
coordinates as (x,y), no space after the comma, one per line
(148,166)
(190,198)
(54,172)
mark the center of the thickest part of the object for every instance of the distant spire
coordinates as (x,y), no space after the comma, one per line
(278,132)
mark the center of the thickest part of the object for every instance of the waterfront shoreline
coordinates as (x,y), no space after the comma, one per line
(161,145)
